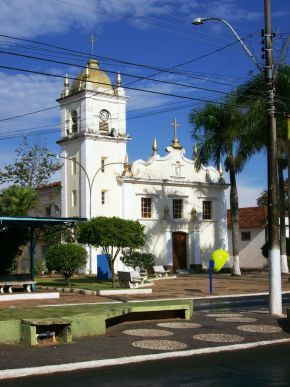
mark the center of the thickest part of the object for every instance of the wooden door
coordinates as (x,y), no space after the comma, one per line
(179,250)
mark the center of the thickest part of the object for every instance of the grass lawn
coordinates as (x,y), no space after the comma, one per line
(85,282)
(108,310)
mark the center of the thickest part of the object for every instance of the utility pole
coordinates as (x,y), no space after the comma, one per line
(275,294)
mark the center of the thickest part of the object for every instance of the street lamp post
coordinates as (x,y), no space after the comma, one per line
(275,295)
(90,184)
(201,20)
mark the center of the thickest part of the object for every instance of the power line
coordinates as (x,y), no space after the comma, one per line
(28,114)
(153,25)
(102,83)
(115,73)
(28,132)
(151,67)
(193,60)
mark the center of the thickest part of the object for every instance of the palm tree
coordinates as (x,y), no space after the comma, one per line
(252,96)
(218,127)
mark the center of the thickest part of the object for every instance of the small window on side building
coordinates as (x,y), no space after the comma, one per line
(74,198)
(48,210)
(103,197)
(103,163)
(74,166)
(246,236)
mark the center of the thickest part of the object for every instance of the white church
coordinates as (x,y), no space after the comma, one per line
(183,210)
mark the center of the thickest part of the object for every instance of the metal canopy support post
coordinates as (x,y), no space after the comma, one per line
(32,250)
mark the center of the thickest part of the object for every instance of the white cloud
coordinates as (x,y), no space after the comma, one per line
(31,18)
(21,94)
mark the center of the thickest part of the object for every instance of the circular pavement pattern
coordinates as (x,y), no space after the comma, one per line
(236,319)
(259,328)
(224,315)
(162,345)
(179,325)
(219,338)
(147,332)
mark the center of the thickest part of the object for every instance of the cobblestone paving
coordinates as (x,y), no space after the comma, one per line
(145,338)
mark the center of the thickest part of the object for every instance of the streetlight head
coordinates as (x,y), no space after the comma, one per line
(198,20)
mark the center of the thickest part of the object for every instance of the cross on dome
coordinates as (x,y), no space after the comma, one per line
(92,39)
(175,142)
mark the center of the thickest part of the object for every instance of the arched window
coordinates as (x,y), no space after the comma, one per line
(74,119)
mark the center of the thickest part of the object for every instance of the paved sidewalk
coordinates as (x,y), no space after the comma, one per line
(149,340)
(191,286)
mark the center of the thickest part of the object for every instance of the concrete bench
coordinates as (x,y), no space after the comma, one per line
(7,282)
(129,279)
(160,271)
(37,331)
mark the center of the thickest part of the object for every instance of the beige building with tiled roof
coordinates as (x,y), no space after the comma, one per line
(253,222)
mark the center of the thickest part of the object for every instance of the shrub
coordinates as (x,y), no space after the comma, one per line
(66,258)
(264,248)
(134,258)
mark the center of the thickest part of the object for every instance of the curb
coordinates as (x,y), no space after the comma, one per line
(101,292)
(45,370)
(28,296)
(123,291)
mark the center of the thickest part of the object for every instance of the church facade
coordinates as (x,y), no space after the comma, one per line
(183,210)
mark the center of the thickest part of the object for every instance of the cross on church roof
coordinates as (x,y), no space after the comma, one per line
(175,141)
(92,39)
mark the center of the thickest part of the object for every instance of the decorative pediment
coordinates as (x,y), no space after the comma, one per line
(173,167)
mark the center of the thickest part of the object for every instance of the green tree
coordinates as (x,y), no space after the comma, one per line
(217,130)
(17,201)
(32,166)
(14,201)
(66,258)
(133,258)
(112,235)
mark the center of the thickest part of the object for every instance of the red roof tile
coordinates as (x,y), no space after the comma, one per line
(250,217)
(50,185)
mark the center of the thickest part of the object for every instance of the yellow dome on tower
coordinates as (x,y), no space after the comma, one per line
(93,74)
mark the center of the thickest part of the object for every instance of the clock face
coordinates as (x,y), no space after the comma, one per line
(104,115)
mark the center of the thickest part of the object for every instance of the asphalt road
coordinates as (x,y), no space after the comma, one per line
(268,366)
(248,303)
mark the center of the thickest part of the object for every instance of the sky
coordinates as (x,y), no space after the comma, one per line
(141,40)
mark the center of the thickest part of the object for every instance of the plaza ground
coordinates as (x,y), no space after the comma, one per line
(190,286)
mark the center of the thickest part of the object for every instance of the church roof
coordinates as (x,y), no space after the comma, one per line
(93,74)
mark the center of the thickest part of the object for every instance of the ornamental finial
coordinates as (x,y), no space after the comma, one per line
(155,146)
(118,80)
(66,86)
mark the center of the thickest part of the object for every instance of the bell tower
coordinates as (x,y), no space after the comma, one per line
(93,141)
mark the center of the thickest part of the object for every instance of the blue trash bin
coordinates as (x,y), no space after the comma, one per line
(103,268)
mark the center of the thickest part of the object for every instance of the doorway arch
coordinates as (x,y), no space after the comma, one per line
(179,250)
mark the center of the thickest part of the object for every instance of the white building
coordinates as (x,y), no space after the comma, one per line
(183,210)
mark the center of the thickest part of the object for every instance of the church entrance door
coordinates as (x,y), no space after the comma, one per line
(179,250)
